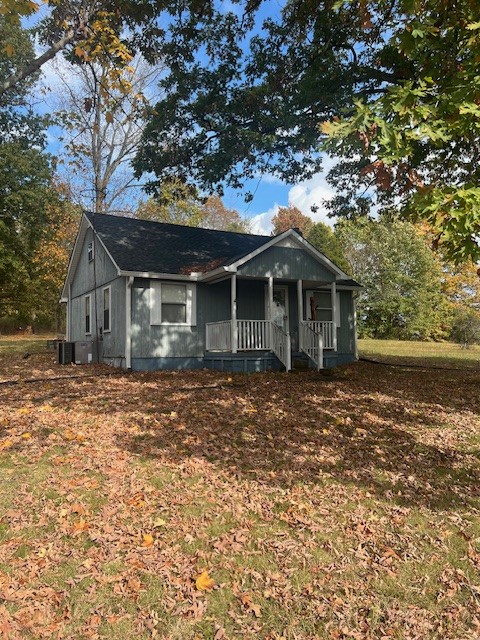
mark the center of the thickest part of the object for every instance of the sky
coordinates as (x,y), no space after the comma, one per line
(269,193)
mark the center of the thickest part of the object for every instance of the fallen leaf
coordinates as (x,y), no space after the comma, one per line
(80,526)
(148,540)
(159,522)
(204,582)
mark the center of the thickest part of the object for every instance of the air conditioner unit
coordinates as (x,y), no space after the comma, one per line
(83,352)
(65,352)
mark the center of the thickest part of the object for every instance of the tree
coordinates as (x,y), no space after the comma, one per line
(177,203)
(325,240)
(50,260)
(403,296)
(25,178)
(17,120)
(418,137)
(88,31)
(103,127)
(291,218)
(394,82)
(462,284)
(180,203)
(466,327)
(217,216)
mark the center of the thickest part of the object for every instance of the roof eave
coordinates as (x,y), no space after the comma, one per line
(193,276)
(339,274)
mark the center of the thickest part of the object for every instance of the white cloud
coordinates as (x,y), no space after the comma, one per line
(312,193)
(304,195)
(262,222)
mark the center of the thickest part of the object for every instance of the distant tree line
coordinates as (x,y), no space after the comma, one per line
(410,291)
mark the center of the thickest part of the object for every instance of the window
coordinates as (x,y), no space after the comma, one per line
(323,306)
(88,314)
(90,251)
(172,303)
(106,309)
(322,301)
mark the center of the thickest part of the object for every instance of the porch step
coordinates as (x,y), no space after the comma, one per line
(300,363)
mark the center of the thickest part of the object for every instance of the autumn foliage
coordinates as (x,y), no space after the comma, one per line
(208,505)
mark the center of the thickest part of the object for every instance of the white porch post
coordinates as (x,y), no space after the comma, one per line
(234,313)
(334,314)
(270,310)
(355,337)
(68,337)
(128,322)
(300,311)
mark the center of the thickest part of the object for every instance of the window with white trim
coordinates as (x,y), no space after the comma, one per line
(172,303)
(90,251)
(88,314)
(322,303)
(107,296)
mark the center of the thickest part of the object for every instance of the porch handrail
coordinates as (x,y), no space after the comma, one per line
(311,343)
(253,335)
(326,329)
(219,336)
(281,345)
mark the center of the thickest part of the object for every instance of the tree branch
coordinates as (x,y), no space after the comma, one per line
(35,65)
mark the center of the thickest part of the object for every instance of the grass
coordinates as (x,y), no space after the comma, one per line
(421,353)
(17,344)
(339,508)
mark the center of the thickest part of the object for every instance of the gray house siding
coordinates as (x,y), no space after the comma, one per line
(90,278)
(99,271)
(163,341)
(288,264)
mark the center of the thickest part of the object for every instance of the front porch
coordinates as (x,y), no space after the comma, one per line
(265,337)
(290,323)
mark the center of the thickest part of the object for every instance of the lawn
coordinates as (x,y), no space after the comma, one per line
(421,353)
(15,344)
(201,505)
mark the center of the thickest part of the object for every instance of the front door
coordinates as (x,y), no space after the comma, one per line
(280,307)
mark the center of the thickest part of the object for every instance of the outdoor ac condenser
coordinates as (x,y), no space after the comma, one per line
(84,352)
(65,352)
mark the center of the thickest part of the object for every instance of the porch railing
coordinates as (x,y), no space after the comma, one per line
(219,336)
(253,335)
(281,345)
(328,330)
(311,343)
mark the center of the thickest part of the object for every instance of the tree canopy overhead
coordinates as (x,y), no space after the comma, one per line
(388,86)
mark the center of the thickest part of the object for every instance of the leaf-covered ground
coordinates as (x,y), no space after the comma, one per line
(203,505)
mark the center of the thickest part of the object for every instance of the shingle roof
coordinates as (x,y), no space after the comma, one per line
(145,246)
(349,283)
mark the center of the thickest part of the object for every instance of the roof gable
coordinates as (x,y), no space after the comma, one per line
(160,249)
(153,247)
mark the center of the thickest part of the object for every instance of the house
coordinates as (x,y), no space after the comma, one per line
(146,295)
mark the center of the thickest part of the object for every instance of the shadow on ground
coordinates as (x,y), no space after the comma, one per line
(399,434)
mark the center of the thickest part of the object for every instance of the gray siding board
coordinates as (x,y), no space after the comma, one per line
(345,332)
(111,346)
(114,341)
(97,272)
(165,341)
(288,264)
(251,300)
(214,301)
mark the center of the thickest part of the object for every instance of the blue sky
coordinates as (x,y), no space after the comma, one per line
(268,191)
